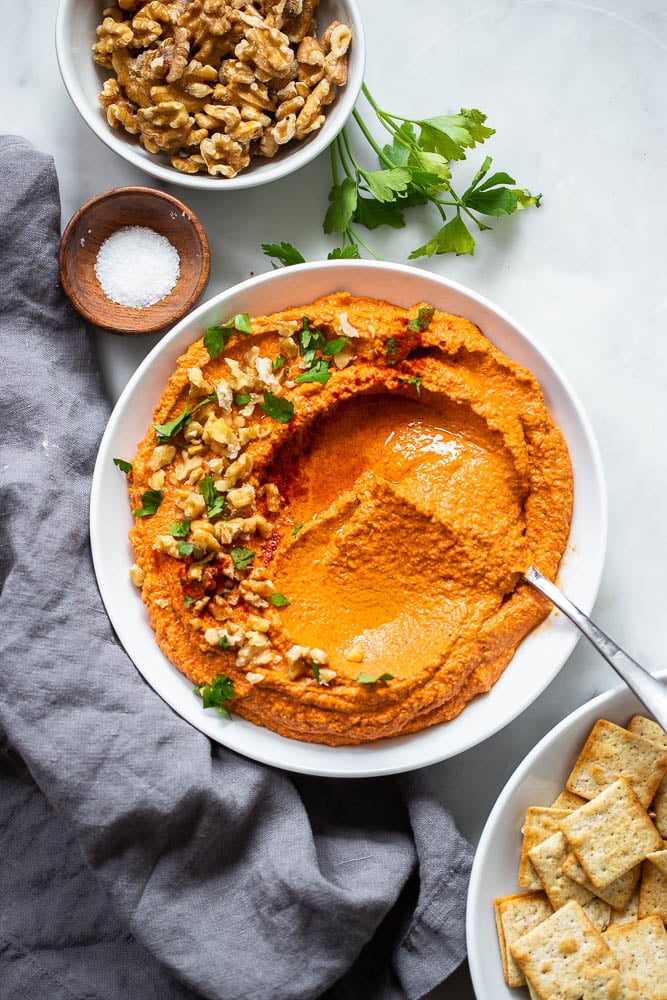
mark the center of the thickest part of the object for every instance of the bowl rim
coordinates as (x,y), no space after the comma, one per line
(367,760)
(270,170)
(592,709)
(185,307)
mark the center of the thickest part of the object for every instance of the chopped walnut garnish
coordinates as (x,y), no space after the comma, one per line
(162,455)
(137,575)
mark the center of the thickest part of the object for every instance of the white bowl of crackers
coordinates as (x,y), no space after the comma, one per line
(568,893)
(213,96)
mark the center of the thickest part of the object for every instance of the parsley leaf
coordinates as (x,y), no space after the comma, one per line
(384,184)
(278,600)
(150,502)
(350,252)
(278,362)
(391,348)
(343,198)
(278,408)
(241,398)
(315,667)
(216,337)
(164,432)
(223,642)
(422,320)
(319,372)
(215,502)
(185,548)
(242,558)
(189,601)
(333,347)
(217,693)
(453,237)
(179,529)
(296,529)
(123,465)
(367,679)
(284,252)
(416,381)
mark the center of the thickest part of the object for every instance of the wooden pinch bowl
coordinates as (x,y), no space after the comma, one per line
(102,216)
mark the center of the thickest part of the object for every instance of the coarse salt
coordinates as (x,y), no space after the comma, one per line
(137,267)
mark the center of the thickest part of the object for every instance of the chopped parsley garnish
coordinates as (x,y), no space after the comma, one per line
(179,529)
(296,529)
(123,465)
(150,502)
(173,427)
(390,349)
(315,667)
(185,548)
(415,380)
(217,693)
(335,346)
(189,601)
(223,642)
(367,679)
(278,408)
(242,398)
(215,502)
(278,362)
(278,600)
(318,372)
(242,558)
(216,337)
(422,320)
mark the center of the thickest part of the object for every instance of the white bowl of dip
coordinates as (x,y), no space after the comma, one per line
(538,658)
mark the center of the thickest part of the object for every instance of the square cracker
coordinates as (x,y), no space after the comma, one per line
(651,730)
(652,892)
(568,800)
(540,823)
(610,834)
(556,955)
(547,859)
(659,859)
(515,915)
(611,752)
(618,893)
(641,950)
(629,914)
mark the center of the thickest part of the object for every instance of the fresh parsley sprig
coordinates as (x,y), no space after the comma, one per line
(216,337)
(415,168)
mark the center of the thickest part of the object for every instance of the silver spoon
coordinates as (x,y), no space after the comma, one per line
(650,691)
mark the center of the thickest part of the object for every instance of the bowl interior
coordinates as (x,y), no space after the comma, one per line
(537,781)
(105,215)
(545,649)
(75,33)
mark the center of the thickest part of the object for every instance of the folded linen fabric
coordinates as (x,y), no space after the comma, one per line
(212,875)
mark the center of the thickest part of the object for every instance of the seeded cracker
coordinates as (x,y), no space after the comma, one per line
(641,950)
(618,893)
(612,752)
(515,915)
(610,834)
(547,859)
(540,823)
(652,892)
(557,954)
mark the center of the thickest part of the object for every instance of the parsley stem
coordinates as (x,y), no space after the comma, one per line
(350,154)
(334,161)
(355,238)
(371,141)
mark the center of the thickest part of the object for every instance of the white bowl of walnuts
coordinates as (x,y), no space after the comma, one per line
(213,94)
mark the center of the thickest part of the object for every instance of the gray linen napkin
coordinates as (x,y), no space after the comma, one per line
(225,878)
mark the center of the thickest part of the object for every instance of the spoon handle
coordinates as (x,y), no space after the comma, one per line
(650,691)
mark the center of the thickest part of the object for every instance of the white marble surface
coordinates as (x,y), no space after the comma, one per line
(576,92)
